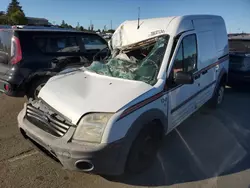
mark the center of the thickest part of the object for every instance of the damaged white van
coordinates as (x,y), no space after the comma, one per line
(111,117)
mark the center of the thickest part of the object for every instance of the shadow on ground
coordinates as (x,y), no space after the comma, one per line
(208,144)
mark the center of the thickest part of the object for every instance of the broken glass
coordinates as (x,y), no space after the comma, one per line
(140,62)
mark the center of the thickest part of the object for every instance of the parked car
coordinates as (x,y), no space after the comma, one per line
(30,55)
(111,116)
(239,64)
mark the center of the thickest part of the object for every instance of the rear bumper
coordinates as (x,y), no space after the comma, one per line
(108,159)
(13,91)
(238,77)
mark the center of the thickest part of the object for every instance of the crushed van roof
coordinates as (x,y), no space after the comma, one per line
(128,32)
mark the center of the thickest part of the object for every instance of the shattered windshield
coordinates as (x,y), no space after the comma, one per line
(141,61)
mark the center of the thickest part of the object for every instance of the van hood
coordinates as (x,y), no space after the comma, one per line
(77,93)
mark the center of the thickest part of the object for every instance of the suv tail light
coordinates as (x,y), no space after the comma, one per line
(16,52)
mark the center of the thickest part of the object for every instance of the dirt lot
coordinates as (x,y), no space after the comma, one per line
(210,149)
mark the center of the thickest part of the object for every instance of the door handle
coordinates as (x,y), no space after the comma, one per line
(204,72)
(197,76)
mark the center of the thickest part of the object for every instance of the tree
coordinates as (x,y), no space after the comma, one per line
(111,31)
(3,20)
(63,24)
(81,28)
(98,30)
(17,18)
(15,13)
(13,7)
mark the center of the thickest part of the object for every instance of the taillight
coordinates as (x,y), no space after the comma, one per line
(7,87)
(16,52)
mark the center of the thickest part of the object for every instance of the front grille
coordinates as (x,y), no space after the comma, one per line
(47,120)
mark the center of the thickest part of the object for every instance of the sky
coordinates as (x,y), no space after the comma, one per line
(235,12)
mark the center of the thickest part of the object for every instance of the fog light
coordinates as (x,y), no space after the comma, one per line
(84,166)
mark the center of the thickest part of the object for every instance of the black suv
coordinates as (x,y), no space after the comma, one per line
(29,56)
(239,64)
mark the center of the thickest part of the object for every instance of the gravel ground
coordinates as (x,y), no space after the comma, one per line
(210,149)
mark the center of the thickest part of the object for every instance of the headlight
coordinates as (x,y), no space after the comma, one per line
(91,127)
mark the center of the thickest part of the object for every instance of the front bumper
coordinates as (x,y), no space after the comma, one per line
(108,159)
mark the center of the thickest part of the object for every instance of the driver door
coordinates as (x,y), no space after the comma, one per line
(182,97)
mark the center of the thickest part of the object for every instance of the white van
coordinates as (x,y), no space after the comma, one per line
(111,117)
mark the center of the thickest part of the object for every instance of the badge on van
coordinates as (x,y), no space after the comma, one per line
(153,33)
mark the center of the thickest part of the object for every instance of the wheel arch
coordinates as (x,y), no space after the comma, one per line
(222,78)
(36,76)
(152,115)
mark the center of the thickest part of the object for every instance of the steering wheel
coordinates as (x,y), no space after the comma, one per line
(108,51)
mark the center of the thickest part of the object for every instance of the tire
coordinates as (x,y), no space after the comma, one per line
(144,149)
(218,97)
(35,87)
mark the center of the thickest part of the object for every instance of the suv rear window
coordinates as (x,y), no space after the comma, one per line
(5,41)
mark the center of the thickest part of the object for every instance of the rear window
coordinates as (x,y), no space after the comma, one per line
(5,41)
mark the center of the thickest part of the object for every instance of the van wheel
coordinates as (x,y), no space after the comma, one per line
(218,97)
(144,149)
(36,86)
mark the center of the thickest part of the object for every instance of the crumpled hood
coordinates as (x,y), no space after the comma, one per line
(80,92)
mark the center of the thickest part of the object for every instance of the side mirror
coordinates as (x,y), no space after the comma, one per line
(183,78)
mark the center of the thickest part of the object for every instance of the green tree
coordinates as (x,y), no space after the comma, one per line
(17,18)
(15,13)
(111,31)
(63,24)
(13,7)
(81,28)
(3,18)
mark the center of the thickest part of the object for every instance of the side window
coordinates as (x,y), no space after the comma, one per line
(5,41)
(186,58)
(57,44)
(178,62)
(63,44)
(41,43)
(190,53)
(93,42)
(5,46)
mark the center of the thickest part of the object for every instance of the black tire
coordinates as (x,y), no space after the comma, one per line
(218,97)
(35,87)
(144,149)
